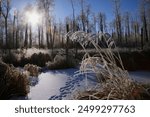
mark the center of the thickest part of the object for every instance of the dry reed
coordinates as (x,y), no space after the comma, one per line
(114,81)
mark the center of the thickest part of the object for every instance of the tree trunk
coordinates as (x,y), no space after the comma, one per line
(39,37)
(17,40)
(52,40)
(47,39)
(6,32)
(26,37)
(30,37)
(142,43)
(42,37)
(67,44)
(145,29)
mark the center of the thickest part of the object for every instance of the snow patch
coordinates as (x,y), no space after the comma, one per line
(61,84)
(141,76)
(49,84)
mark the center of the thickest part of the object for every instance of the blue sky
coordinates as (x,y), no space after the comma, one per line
(63,7)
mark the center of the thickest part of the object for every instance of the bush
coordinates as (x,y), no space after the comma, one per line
(60,61)
(39,59)
(10,58)
(32,69)
(12,82)
(18,58)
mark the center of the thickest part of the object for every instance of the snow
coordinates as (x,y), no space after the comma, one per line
(49,84)
(141,76)
(29,52)
(59,84)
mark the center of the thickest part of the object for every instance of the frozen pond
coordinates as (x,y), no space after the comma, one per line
(58,84)
(55,84)
(49,84)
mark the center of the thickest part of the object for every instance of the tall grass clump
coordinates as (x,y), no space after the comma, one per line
(12,82)
(113,81)
(33,70)
(60,61)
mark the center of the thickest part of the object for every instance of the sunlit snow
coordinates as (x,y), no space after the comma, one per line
(57,85)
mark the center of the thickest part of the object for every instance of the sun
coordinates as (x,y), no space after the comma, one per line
(33,18)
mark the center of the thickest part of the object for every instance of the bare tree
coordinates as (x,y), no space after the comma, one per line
(101,22)
(17,30)
(60,28)
(26,36)
(127,26)
(14,27)
(87,21)
(20,26)
(0,8)
(39,36)
(135,28)
(46,6)
(17,37)
(42,37)
(61,34)
(82,16)
(94,24)
(30,36)
(144,20)
(67,44)
(5,13)
(142,40)
(53,38)
(118,20)
(73,14)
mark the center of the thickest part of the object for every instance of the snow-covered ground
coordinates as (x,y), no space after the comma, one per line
(141,76)
(49,84)
(58,84)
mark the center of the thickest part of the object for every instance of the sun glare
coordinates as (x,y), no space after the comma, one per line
(33,18)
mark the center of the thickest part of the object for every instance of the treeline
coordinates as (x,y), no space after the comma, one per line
(126,30)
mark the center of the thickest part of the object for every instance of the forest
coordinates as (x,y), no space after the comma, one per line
(74,54)
(16,32)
